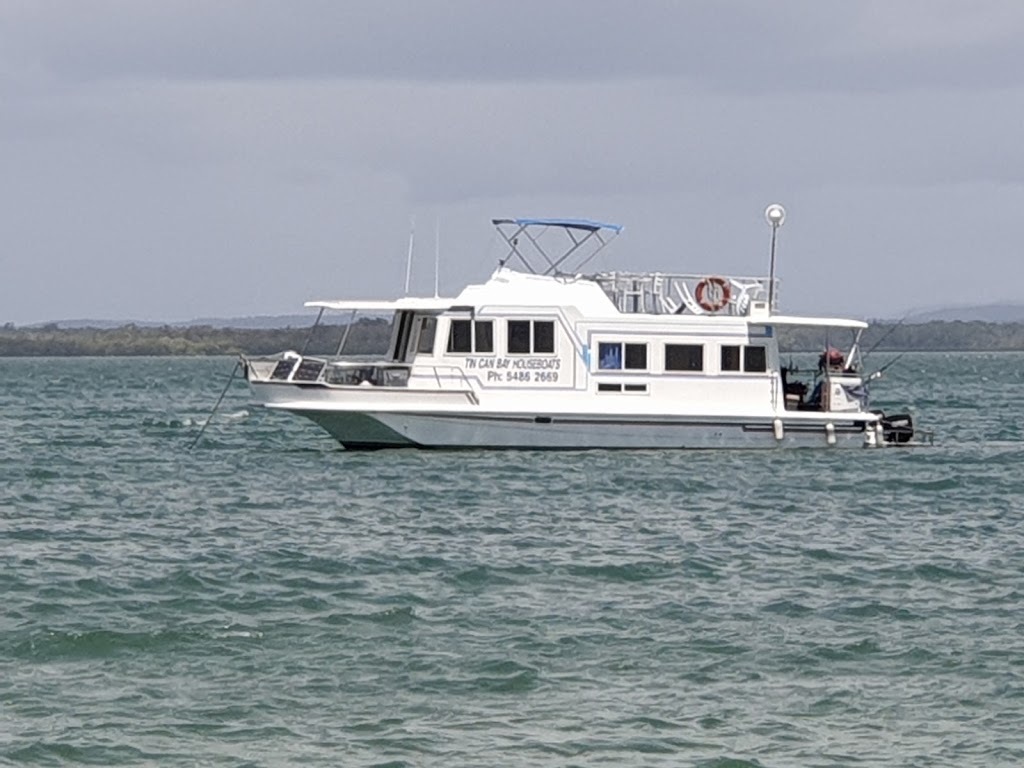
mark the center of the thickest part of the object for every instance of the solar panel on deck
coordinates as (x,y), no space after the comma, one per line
(282,370)
(308,370)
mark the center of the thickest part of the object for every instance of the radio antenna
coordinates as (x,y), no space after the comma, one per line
(408,259)
(437,256)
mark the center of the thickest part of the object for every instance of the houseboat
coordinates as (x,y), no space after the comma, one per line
(545,356)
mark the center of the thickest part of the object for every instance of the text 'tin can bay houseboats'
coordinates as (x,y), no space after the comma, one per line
(542,357)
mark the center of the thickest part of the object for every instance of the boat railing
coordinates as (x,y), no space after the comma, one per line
(659,293)
(354,373)
(293,368)
(443,373)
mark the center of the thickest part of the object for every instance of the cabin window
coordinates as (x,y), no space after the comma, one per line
(755,359)
(544,337)
(684,357)
(609,356)
(730,358)
(483,336)
(471,336)
(519,337)
(428,327)
(636,357)
(606,387)
(526,336)
(460,336)
(614,356)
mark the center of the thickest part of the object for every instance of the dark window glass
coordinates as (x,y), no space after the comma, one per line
(609,356)
(519,337)
(609,387)
(543,336)
(406,325)
(730,358)
(684,357)
(635,387)
(484,336)
(636,356)
(755,360)
(459,339)
(428,326)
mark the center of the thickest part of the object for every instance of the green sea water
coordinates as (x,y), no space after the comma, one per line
(271,600)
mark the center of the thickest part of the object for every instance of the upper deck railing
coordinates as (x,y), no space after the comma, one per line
(658,293)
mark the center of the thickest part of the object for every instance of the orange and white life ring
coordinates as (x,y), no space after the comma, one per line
(712,293)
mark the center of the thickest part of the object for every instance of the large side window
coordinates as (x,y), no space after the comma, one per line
(751,359)
(755,360)
(470,336)
(684,357)
(615,355)
(531,336)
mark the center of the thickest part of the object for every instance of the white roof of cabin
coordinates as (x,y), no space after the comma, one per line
(431,303)
(814,322)
(509,288)
(506,287)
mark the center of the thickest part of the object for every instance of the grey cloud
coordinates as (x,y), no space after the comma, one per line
(169,160)
(746,45)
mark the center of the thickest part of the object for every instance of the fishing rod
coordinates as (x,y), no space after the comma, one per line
(877,374)
(886,335)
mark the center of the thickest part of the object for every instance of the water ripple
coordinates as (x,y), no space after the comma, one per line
(269,599)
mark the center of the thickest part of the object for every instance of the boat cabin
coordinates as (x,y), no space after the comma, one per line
(708,342)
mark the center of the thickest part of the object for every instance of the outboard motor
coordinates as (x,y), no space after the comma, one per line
(898,428)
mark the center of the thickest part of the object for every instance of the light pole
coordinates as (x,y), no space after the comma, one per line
(776,215)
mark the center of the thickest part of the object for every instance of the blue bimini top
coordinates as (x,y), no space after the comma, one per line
(585,224)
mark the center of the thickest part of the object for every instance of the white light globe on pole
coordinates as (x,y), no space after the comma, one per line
(775,214)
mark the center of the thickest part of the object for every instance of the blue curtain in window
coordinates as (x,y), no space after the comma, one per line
(609,356)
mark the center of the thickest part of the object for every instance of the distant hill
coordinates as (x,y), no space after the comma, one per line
(985,313)
(270,321)
(262,322)
(368,336)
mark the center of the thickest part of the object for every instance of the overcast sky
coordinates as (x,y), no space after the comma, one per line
(172,160)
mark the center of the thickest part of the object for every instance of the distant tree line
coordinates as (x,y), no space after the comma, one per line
(371,335)
(368,336)
(934,336)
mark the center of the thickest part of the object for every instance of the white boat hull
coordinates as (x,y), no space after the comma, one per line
(375,430)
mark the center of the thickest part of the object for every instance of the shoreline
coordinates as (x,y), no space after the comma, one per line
(370,336)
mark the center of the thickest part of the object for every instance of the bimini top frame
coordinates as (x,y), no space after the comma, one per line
(584,240)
